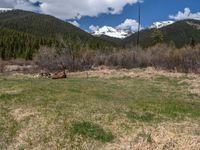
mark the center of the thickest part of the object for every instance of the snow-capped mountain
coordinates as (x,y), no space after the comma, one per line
(119,33)
(161,24)
(5,9)
(110,31)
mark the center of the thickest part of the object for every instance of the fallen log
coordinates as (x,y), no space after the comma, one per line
(59,75)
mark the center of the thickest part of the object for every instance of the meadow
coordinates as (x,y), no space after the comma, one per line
(136,110)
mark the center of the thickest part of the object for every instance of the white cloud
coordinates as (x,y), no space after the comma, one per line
(187,14)
(94,28)
(75,23)
(67,9)
(129,25)
(19,4)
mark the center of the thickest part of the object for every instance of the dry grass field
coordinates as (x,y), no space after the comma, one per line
(101,109)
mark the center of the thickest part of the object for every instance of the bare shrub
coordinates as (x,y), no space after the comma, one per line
(64,59)
(50,58)
(182,60)
(187,59)
(160,56)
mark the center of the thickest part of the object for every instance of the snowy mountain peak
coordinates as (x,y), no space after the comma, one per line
(161,24)
(108,31)
(5,9)
(122,33)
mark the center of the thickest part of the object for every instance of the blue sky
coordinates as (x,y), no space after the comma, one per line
(85,13)
(151,11)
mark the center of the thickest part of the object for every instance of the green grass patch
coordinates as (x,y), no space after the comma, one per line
(144,117)
(93,131)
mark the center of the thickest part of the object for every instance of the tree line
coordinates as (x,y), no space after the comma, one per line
(14,44)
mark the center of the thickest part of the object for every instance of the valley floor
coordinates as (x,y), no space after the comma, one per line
(101,109)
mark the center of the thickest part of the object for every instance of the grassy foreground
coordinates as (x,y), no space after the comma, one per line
(98,113)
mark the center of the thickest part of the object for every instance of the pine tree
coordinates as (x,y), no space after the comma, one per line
(157,36)
(192,42)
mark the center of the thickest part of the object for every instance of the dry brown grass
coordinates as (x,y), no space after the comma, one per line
(193,80)
(106,72)
(163,136)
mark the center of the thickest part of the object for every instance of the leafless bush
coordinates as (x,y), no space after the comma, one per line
(123,59)
(187,59)
(49,58)
(160,56)
(54,59)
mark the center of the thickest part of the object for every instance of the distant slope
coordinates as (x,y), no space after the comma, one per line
(111,39)
(180,33)
(46,30)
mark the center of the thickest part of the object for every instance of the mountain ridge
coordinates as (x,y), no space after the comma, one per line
(122,34)
(111,32)
(180,33)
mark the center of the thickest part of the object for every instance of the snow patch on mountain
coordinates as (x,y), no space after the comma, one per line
(128,27)
(108,31)
(161,24)
(5,9)
(121,31)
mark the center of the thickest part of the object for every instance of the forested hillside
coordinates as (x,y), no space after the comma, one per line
(22,33)
(181,33)
(14,44)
